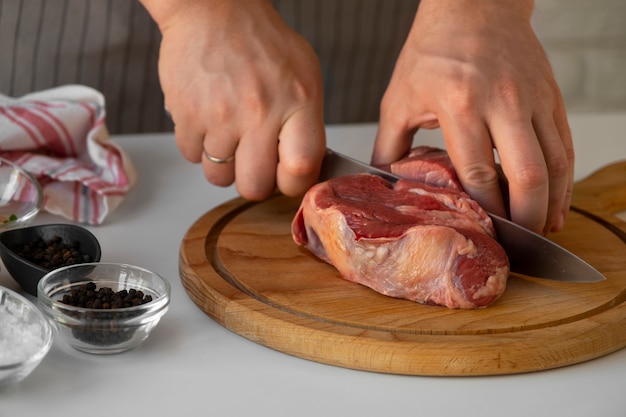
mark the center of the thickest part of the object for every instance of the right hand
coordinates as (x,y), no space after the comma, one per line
(239,81)
(478,71)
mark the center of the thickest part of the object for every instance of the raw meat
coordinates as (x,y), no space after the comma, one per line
(410,240)
(429,165)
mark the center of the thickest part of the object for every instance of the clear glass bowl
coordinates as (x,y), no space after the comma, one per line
(99,330)
(25,337)
(21,196)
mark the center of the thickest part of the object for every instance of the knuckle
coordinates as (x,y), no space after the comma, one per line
(559,167)
(480,176)
(462,101)
(530,177)
(385,105)
(390,101)
(304,92)
(510,94)
(256,101)
(221,111)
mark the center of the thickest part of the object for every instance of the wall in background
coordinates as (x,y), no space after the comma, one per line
(586,43)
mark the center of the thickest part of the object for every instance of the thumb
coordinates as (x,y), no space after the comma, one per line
(393,140)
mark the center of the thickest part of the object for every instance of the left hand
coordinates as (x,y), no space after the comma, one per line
(478,71)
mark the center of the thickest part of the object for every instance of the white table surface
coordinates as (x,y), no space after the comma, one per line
(192,366)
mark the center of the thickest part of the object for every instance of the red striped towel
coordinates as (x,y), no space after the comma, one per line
(60,137)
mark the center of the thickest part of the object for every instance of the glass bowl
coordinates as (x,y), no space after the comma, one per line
(21,195)
(69,297)
(30,252)
(25,337)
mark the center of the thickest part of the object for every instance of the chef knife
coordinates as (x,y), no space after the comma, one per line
(529,253)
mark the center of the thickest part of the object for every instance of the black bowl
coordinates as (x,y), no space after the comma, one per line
(28,273)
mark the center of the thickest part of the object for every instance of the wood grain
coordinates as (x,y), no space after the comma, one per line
(239,264)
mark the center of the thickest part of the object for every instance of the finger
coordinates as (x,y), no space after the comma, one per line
(394,136)
(524,165)
(189,142)
(391,144)
(558,166)
(470,148)
(218,155)
(255,170)
(301,150)
(562,125)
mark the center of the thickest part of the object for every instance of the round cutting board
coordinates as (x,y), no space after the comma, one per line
(239,264)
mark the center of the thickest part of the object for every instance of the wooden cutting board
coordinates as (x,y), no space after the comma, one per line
(239,264)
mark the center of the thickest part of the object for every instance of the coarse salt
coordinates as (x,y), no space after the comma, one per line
(19,340)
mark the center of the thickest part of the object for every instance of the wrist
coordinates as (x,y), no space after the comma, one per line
(167,12)
(478,12)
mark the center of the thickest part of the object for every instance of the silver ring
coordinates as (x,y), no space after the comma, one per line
(216,159)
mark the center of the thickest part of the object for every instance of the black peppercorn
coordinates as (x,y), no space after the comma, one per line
(51,253)
(104,331)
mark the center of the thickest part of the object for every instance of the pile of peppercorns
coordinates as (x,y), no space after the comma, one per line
(103,329)
(87,296)
(51,253)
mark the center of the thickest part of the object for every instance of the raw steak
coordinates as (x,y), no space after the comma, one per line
(429,165)
(410,240)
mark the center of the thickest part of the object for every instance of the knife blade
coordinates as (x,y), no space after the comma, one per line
(529,253)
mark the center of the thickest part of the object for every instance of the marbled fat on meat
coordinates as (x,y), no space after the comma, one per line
(409,240)
(428,165)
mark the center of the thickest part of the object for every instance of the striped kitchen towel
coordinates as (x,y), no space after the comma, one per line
(60,136)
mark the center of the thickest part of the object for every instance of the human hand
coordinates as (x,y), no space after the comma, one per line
(239,81)
(477,70)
